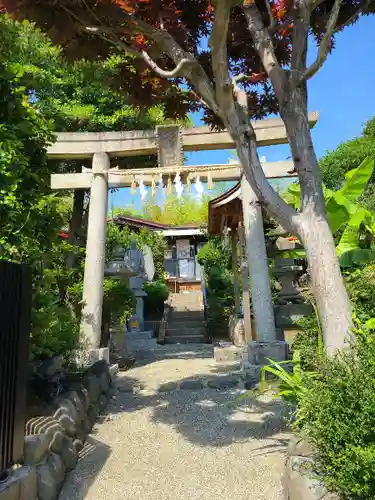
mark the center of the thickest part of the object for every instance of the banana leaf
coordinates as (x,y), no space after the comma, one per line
(342,206)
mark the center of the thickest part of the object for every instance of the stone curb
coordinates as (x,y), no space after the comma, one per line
(53,442)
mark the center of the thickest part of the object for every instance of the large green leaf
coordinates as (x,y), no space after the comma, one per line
(357,179)
(356,256)
(292,195)
(348,249)
(341,205)
(349,238)
(339,211)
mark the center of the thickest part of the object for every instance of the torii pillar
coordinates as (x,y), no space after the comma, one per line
(93,281)
(266,344)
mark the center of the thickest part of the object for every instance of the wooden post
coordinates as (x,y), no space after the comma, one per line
(236,284)
(245,288)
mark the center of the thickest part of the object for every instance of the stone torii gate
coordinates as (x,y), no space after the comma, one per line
(169,142)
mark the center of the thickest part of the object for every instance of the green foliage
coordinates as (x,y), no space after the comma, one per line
(215,256)
(291,382)
(215,253)
(361,287)
(56,308)
(40,90)
(157,294)
(118,300)
(177,211)
(351,224)
(338,419)
(335,164)
(334,408)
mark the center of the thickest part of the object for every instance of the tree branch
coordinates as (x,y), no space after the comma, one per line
(325,44)
(264,46)
(179,70)
(354,16)
(273,23)
(218,44)
(241,78)
(272,201)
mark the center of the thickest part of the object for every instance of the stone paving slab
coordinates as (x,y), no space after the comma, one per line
(189,442)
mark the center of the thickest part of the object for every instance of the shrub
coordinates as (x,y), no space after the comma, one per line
(220,297)
(361,287)
(157,294)
(215,254)
(338,411)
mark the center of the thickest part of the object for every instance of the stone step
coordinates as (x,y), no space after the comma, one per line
(186,315)
(185,339)
(178,332)
(182,323)
(182,308)
(185,328)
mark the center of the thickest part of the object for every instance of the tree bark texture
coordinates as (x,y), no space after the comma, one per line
(333,304)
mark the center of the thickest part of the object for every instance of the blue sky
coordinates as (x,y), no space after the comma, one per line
(342,92)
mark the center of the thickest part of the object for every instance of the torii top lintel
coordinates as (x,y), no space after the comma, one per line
(144,142)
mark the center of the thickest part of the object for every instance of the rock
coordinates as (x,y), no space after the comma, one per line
(69,454)
(28,485)
(78,445)
(191,384)
(21,484)
(57,468)
(47,486)
(67,407)
(98,368)
(43,425)
(56,443)
(103,402)
(73,397)
(35,448)
(68,424)
(299,447)
(225,382)
(91,383)
(168,386)
(51,367)
(298,483)
(93,414)
(87,425)
(83,395)
(104,382)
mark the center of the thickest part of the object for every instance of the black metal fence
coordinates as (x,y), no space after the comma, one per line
(15,308)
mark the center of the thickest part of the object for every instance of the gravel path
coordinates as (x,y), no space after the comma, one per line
(161,443)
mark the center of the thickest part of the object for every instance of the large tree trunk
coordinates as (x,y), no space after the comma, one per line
(328,287)
(329,290)
(311,224)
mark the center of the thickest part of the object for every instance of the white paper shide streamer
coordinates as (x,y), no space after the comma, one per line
(178,185)
(142,189)
(199,187)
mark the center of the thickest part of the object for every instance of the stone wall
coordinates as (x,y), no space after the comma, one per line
(53,441)
(299,483)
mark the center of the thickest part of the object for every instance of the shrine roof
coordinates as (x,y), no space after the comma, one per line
(225,211)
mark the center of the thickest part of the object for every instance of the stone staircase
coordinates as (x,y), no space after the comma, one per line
(186,323)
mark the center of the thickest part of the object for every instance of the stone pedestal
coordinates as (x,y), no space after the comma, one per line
(90,356)
(258,353)
(237,330)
